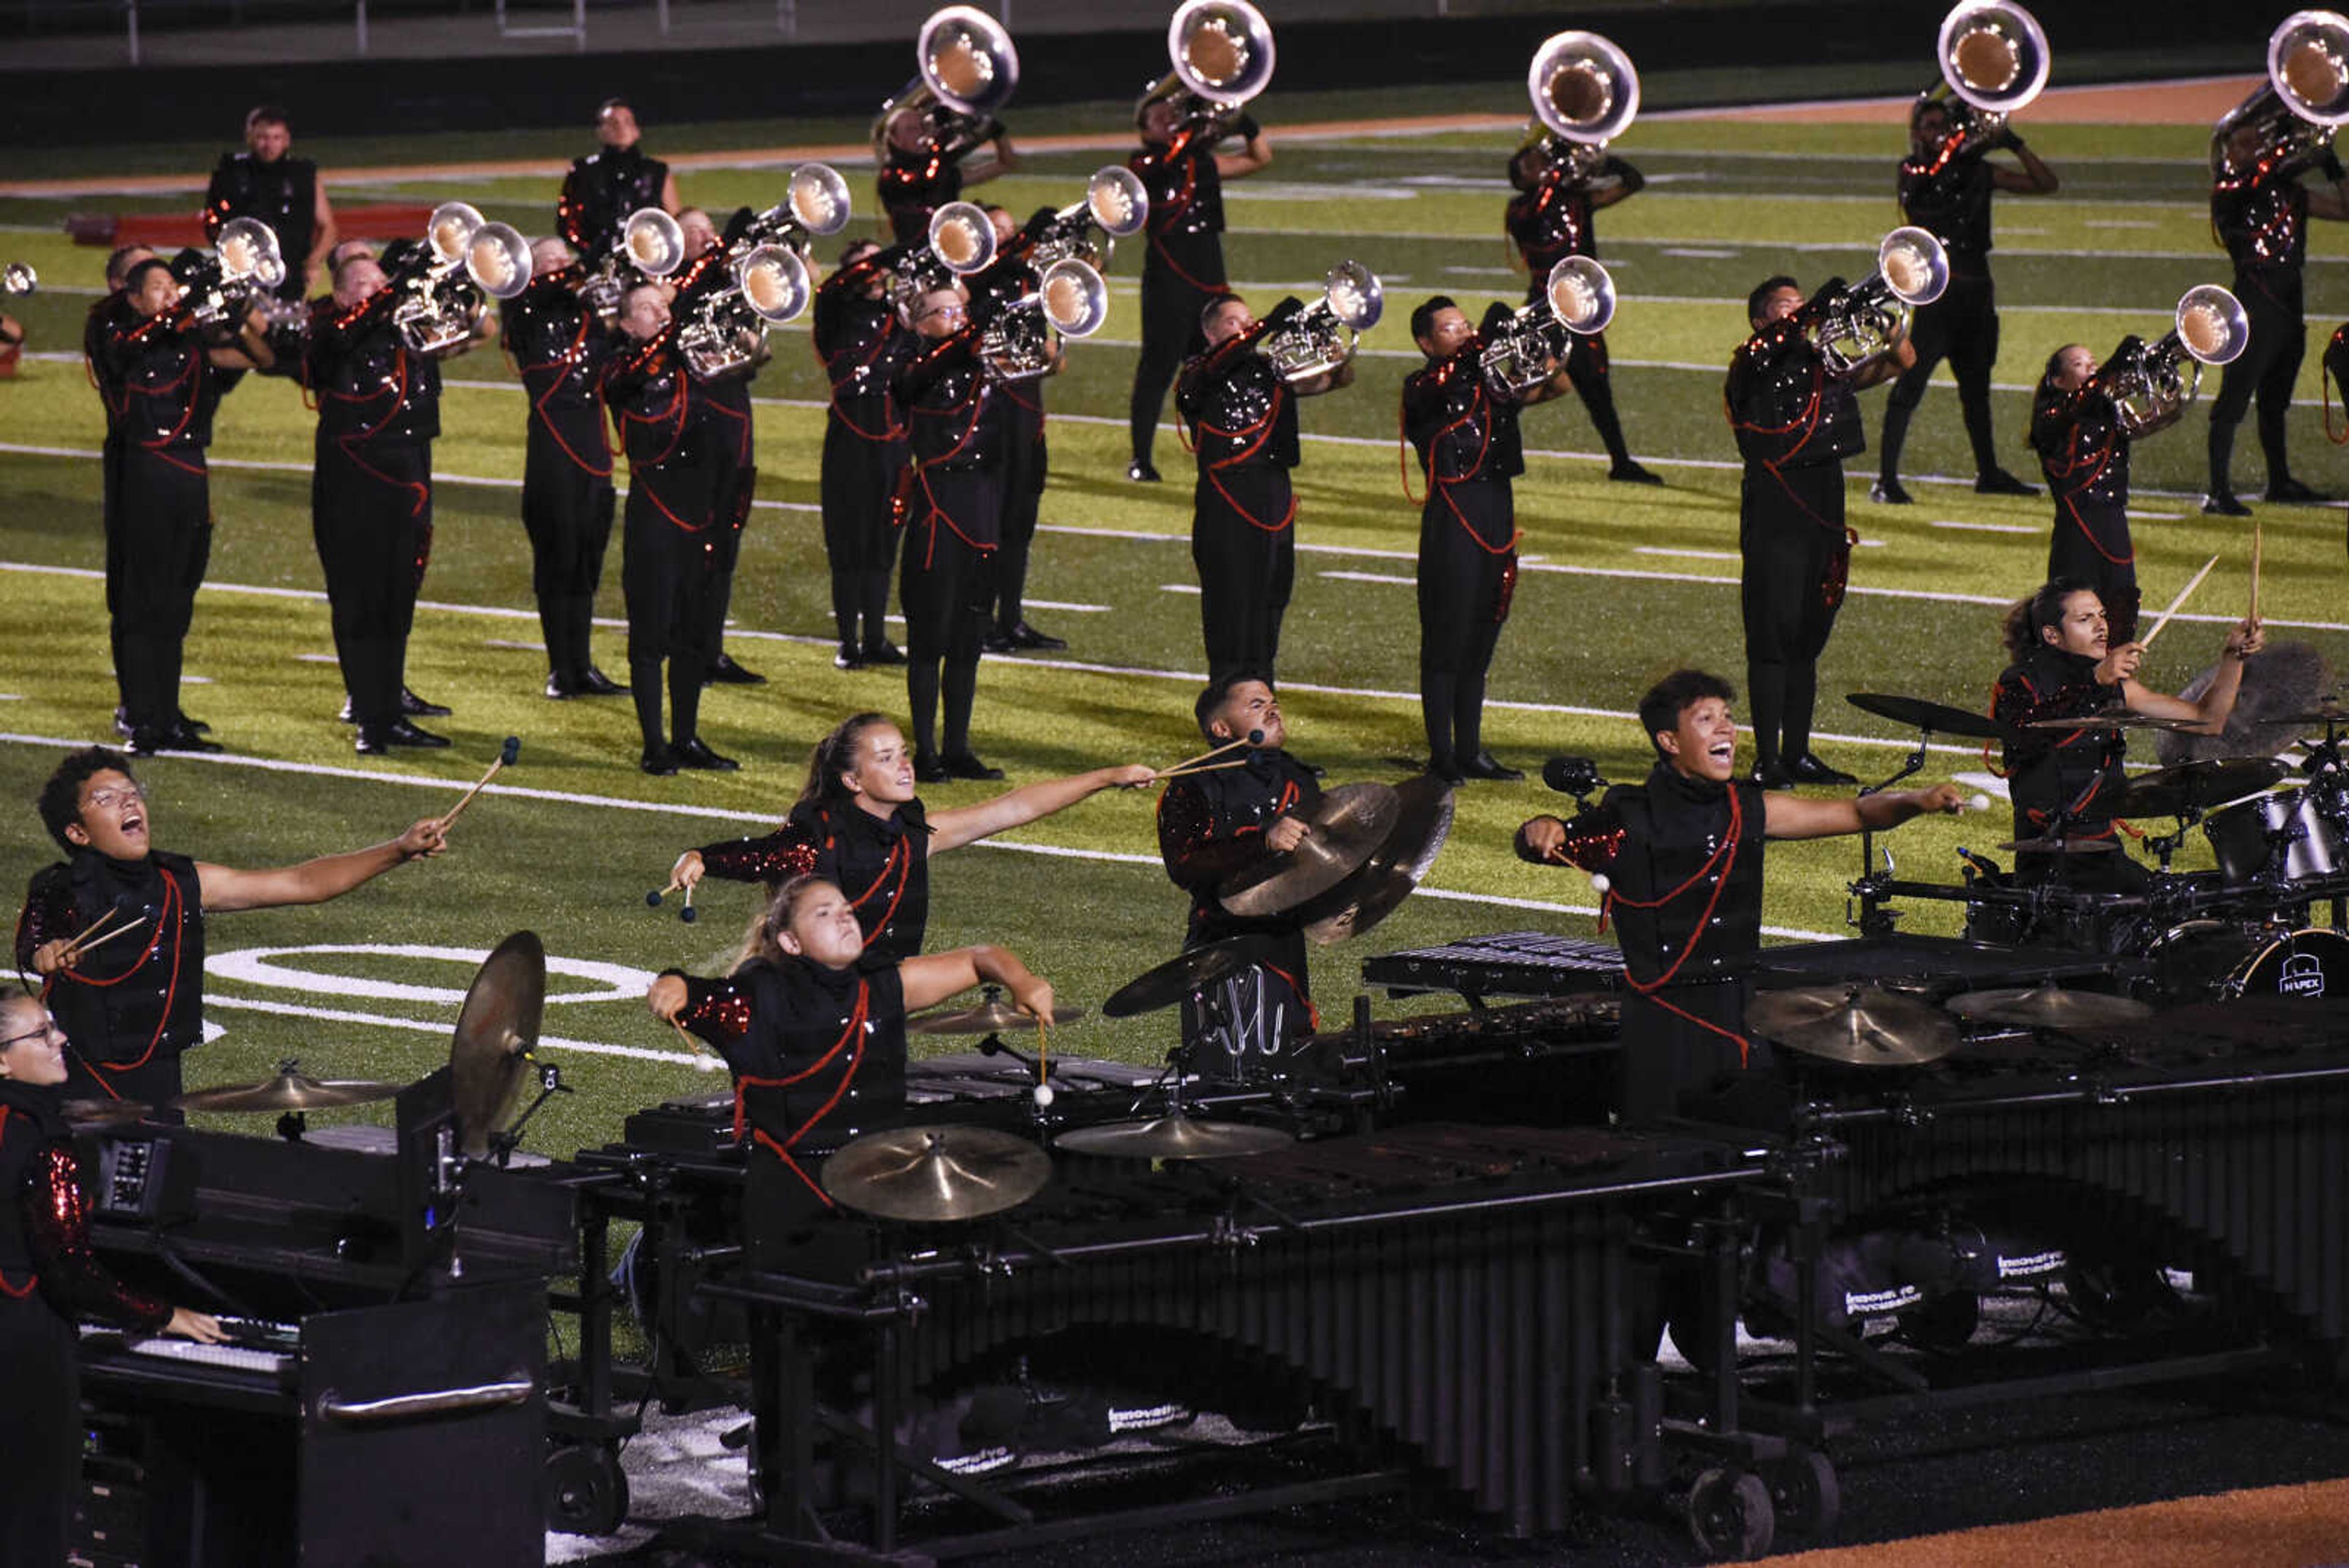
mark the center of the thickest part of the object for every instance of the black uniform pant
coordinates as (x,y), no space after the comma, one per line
(1240,1029)
(1587,364)
(1243,544)
(2266,370)
(734,485)
(566,510)
(41,1440)
(1024,463)
(946,586)
(1791,533)
(2091,542)
(157,546)
(1961,326)
(1180,274)
(859,479)
(670,576)
(371,517)
(1467,566)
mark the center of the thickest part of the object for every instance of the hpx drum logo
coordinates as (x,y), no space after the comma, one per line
(2303,975)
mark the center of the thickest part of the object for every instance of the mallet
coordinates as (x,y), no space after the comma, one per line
(506,754)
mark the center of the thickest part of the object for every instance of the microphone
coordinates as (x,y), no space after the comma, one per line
(1577,776)
(1256,737)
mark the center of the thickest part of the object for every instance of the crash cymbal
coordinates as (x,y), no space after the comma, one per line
(2325,711)
(1175,1137)
(993,1016)
(1916,714)
(1858,1026)
(1346,829)
(101,1113)
(936,1173)
(495,1030)
(2060,846)
(2048,1006)
(1180,977)
(2111,719)
(289,1091)
(1423,822)
(2191,786)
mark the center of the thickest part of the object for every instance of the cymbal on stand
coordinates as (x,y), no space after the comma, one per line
(2191,786)
(289,1091)
(496,1029)
(930,1173)
(1857,1025)
(1173,1137)
(1181,976)
(2048,1006)
(1916,714)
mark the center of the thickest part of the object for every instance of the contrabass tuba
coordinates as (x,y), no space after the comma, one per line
(442,305)
(1321,337)
(965,70)
(1585,93)
(2151,389)
(2293,117)
(1859,325)
(1222,56)
(1578,300)
(1994,61)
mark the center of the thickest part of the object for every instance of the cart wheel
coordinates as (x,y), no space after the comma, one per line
(1804,1488)
(1943,1323)
(586,1492)
(1730,1515)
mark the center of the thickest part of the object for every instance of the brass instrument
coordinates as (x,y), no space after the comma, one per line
(1859,325)
(650,246)
(1222,55)
(815,202)
(1321,338)
(1585,93)
(245,265)
(1578,300)
(472,262)
(2305,100)
(1994,61)
(1071,299)
(723,330)
(962,241)
(18,278)
(2152,389)
(967,71)
(1115,204)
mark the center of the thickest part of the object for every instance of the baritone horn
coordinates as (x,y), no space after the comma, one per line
(814,203)
(2152,389)
(1993,59)
(1115,204)
(1321,338)
(1578,301)
(724,330)
(962,237)
(1071,299)
(1585,93)
(1222,55)
(651,244)
(966,70)
(472,262)
(18,278)
(2304,100)
(244,266)
(1859,325)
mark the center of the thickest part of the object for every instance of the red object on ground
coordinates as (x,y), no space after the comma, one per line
(9,354)
(169,230)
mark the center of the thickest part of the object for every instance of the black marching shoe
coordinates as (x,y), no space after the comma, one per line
(196,725)
(724,671)
(658,761)
(403,734)
(1889,490)
(1140,471)
(995,642)
(122,722)
(1998,482)
(594,682)
(412,706)
(344,715)
(560,687)
(695,753)
(1810,768)
(1483,766)
(2222,504)
(1631,470)
(1772,777)
(375,741)
(928,769)
(849,657)
(884,652)
(173,737)
(2292,491)
(1447,769)
(964,765)
(1025,636)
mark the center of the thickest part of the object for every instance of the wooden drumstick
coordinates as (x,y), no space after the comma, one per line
(91,929)
(2255,569)
(83,947)
(1184,773)
(1253,738)
(506,754)
(2183,595)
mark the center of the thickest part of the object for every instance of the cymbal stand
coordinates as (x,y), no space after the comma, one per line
(2166,844)
(550,1084)
(1872,889)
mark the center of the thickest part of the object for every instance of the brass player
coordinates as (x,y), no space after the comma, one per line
(923,169)
(862,343)
(1026,463)
(2076,428)
(603,187)
(733,454)
(267,182)
(1795,422)
(558,346)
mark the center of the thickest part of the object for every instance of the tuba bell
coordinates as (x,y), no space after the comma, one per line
(1321,338)
(1115,204)
(1585,93)
(244,266)
(967,71)
(1222,55)
(962,237)
(18,278)
(1578,301)
(651,244)
(1071,299)
(2291,118)
(1859,325)
(2151,389)
(815,202)
(1994,61)
(725,329)
(472,262)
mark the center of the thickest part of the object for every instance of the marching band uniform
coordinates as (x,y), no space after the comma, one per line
(559,347)
(955,418)
(880,864)
(862,345)
(131,1008)
(283,195)
(600,190)
(1182,268)
(2262,216)
(733,460)
(1243,421)
(1025,461)
(1551,218)
(913,184)
(2085,454)
(2051,770)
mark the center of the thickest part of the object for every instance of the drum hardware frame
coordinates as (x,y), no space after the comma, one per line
(503,1143)
(1873,889)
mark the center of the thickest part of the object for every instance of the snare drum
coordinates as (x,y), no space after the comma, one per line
(2205,959)
(2246,835)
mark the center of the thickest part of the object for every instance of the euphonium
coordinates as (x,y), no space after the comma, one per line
(1994,61)
(18,278)
(1115,204)
(2305,100)
(650,246)
(1859,325)
(2151,389)
(1578,300)
(815,202)
(472,262)
(1071,299)
(244,266)
(967,70)
(1321,336)
(1222,55)
(1585,93)
(723,329)
(962,241)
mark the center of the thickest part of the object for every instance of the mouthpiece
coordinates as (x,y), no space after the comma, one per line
(512,750)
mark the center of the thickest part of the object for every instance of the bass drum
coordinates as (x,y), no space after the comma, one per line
(2202,961)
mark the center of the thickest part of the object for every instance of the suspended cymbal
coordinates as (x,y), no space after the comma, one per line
(1174,1137)
(2325,711)
(2191,786)
(1916,714)
(1345,829)
(102,1113)
(1860,1026)
(1179,977)
(2048,1006)
(993,1016)
(495,1030)
(2059,845)
(1423,822)
(289,1091)
(2111,719)
(936,1173)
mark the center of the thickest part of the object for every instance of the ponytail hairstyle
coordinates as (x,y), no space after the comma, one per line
(834,755)
(763,938)
(2026,619)
(2047,394)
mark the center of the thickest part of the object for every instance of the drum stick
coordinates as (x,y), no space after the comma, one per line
(2183,595)
(83,947)
(506,754)
(2255,569)
(1253,738)
(1184,772)
(91,929)
(702,1060)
